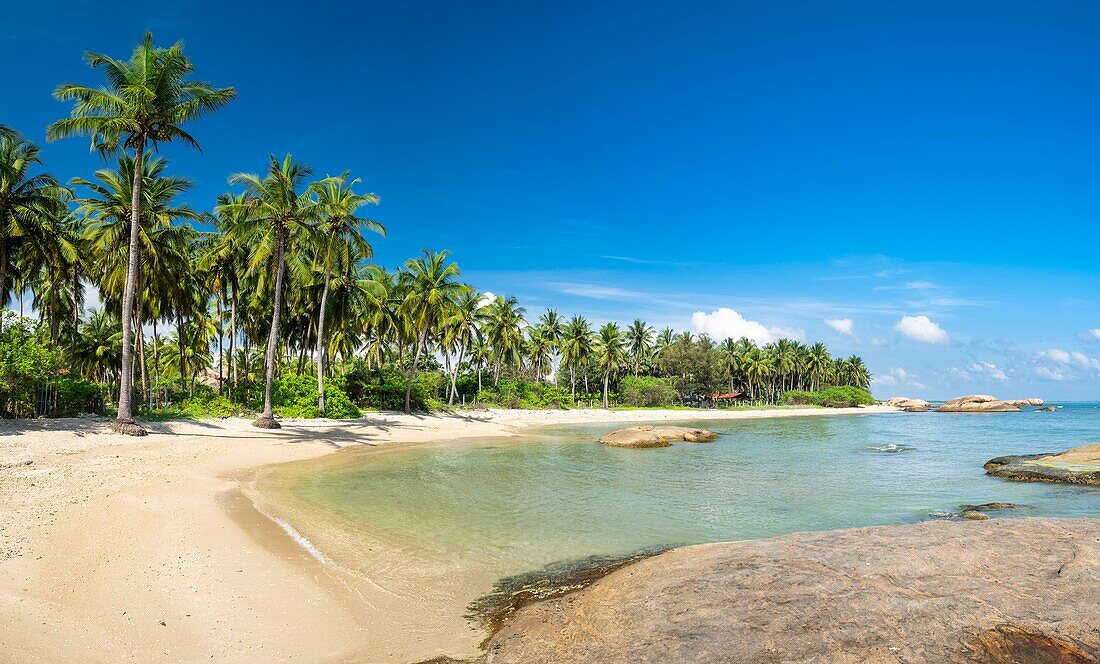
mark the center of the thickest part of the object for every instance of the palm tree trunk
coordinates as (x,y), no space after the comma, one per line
(605,381)
(267,418)
(180,346)
(76,313)
(454,377)
(156,354)
(233,329)
(573,381)
(321,346)
(420,342)
(124,423)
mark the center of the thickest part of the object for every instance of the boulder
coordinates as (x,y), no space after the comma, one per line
(1033,401)
(1046,409)
(1005,590)
(909,405)
(1080,465)
(977,403)
(651,436)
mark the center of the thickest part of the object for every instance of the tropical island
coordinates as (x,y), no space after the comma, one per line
(263,445)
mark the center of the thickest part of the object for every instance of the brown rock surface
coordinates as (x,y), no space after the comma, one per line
(1033,401)
(650,436)
(977,403)
(909,405)
(1080,465)
(1004,590)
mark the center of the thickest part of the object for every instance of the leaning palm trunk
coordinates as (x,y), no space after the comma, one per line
(321,347)
(420,342)
(454,377)
(124,423)
(233,329)
(267,418)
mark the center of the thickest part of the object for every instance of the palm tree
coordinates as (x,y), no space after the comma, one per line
(466,314)
(342,244)
(147,100)
(433,290)
(31,209)
(277,211)
(639,339)
(610,354)
(818,363)
(576,349)
(504,332)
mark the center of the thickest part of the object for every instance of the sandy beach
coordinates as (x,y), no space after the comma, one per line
(145,549)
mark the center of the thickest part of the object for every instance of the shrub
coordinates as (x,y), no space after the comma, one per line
(296,396)
(830,397)
(647,391)
(527,394)
(76,396)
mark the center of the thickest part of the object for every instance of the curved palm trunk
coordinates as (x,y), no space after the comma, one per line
(267,418)
(454,377)
(606,378)
(233,330)
(573,381)
(420,342)
(321,347)
(124,423)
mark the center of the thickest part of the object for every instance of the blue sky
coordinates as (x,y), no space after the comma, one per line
(922,175)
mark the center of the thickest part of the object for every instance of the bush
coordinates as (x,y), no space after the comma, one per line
(830,397)
(647,391)
(76,396)
(296,396)
(526,394)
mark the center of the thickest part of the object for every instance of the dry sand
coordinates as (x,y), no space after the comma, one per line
(120,549)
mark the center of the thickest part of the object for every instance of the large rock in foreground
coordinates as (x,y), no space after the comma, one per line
(977,403)
(649,436)
(1007,590)
(1080,465)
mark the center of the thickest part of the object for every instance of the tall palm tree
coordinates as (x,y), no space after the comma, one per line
(147,100)
(504,332)
(576,349)
(32,207)
(342,243)
(818,363)
(466,315)
(610,354)
(277,211)
(433,288)
(639,339)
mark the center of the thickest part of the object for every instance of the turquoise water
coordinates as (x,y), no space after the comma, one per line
(481,509)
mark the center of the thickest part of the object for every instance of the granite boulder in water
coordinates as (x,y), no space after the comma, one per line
(651,436)
(1080,465)
(977,403)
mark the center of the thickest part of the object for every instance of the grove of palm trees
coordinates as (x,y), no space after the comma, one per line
(268,301)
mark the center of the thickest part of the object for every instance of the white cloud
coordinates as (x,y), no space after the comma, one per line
(1093,334)
(1071,358)
(989,369)
(920,285)
(598,292)
(921,328)
(897,376)
(844,326)
(727,323)
(875,341)
(486,298)
(1051,373)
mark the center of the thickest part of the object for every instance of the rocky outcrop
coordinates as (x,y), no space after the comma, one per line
(1019,403)
(650,436)
(977,403)
(1005,590)
(1080,465)
(909,405)
(1046,409)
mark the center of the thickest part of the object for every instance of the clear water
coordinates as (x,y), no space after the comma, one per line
(461,515)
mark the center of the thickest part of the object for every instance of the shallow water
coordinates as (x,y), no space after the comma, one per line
(446,520)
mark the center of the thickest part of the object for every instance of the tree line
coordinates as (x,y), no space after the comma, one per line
(285,283)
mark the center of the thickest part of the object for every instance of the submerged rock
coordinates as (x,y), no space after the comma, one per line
(977,403)
(1013,590)
(650,436)
(1080,465)
(1048,409)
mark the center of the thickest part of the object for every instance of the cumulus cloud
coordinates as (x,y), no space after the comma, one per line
(486,298)
(844,326)
(726,323)
(897,376)
(921,328)
(1093,334)
(1051,373)
(989,370)
(1070,358)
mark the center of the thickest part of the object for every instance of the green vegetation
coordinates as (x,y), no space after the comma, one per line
(830,397)
(279,309)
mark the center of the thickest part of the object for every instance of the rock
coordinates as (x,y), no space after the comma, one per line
(1080,465)
(1048,409)
(995,506)
(1025,402)
(973,515)
(650,436)
(909,405)
(977,403)
(1009,590)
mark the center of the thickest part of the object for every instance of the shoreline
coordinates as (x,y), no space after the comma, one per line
(136,549)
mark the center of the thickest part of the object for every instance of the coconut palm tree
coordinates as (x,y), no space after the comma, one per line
(462,328)
(610,354)
(818,363)
(639,339)
(32,207)
(277,213)
(504,332)
(147,100)
(342,244)
(433,289)
(576,349)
